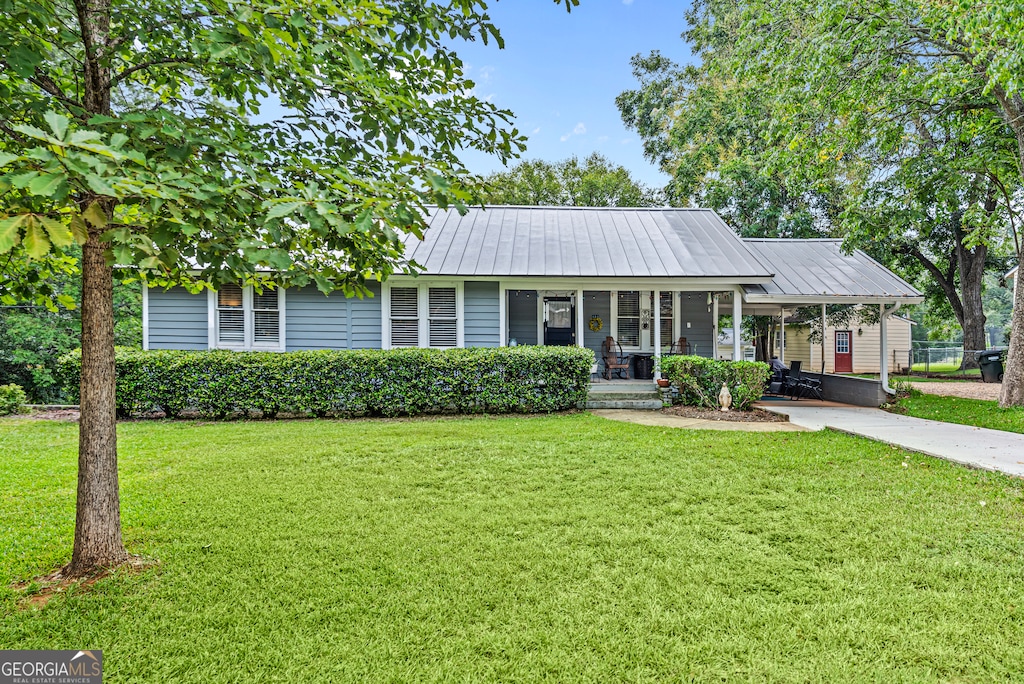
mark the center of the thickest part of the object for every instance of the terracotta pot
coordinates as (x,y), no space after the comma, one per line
(662,382)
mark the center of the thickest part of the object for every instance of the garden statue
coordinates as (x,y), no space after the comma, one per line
(725,398)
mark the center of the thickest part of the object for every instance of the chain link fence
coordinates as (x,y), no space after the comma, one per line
(940,357)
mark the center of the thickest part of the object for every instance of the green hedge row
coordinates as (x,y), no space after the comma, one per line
(399,382)
(699,380)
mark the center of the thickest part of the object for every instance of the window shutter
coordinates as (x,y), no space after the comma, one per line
(230,315)
(405,325)
(266,328)
(443,317)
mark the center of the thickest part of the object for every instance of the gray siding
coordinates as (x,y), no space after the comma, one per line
(596,304)
(695,310)
(177,319)
(522,316)
(314,321)
(482,315)
(364,320)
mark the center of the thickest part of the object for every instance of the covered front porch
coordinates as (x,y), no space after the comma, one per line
(647,321)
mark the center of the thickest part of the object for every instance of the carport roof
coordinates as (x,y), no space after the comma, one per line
(819,272)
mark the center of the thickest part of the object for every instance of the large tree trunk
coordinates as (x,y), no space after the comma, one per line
(1012,392)
(98,513)
(972,274)
(98,541)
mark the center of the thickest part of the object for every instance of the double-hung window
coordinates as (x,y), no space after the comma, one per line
(246,319)
(629,318)
(423,316)
(666,304)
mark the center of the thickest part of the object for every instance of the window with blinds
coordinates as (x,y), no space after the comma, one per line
(424,316)
(443,317)
(405,320)
(665,307)
(230,316)
(629,319)
(247,319)
(266,322)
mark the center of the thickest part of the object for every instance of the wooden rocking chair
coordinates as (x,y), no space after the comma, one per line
(614,360)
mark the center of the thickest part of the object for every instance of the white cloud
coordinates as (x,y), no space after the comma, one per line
(535,131)
(625,141)
(580,129)
(485,74)
(603,138)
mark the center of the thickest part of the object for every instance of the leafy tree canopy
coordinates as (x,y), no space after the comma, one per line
(149,123)
(594,182)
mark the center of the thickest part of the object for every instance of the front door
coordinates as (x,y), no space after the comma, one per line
(559,314)
(844,351)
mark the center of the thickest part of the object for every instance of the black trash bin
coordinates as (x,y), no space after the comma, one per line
(991,363)
(643,366)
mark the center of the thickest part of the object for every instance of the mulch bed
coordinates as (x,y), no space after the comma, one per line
(752,416)
(70,415)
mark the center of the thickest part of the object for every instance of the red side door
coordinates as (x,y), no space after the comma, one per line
(844,351)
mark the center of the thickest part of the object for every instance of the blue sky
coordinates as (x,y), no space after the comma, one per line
(560,73)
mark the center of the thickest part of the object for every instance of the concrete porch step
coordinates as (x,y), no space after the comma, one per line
(624,394)
(635,404)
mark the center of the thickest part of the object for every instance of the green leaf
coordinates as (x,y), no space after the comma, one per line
(36,243)
(283,209)
(6,158)
(79,230)
(22,180)
(58,124)
(59,234)
(100,186)
(95,215)
(48,185)
(10,232)
(24,61)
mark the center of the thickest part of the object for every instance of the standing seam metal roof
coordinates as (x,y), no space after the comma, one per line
(817,268)
(504,241)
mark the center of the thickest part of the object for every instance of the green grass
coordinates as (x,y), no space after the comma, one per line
(976,412)
(560,548)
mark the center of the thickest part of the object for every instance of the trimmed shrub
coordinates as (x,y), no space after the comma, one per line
(12,398)
(398,382)
(699,380)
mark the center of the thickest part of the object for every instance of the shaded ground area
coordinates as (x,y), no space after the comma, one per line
(966,389)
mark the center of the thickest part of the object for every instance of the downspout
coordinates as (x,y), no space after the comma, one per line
(824,325)
(883,362)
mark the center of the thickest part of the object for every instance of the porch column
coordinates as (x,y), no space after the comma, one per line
(737,325)
(502,316)
(824,325)
(883,348)
(714,326)
(782,334)
(657,336)
(579,318)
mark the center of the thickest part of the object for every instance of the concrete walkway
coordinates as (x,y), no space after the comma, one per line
(978,447)
(659,419)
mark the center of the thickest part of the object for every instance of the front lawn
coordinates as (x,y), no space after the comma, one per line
(560,548)
(976,412)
